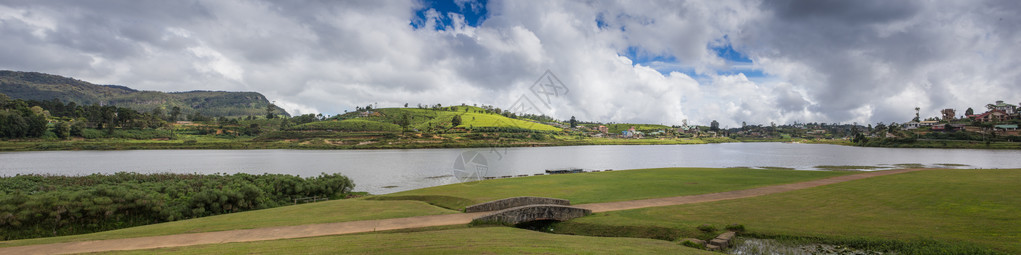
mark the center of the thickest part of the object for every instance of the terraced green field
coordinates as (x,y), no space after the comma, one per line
(349,125)
(424,119)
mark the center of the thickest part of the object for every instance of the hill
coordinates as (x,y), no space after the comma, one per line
(41,86)
(472,117)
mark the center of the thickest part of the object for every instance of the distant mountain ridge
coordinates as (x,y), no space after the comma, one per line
(41,86)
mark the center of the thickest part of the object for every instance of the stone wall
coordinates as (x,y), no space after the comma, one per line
(529,213)
(514,202)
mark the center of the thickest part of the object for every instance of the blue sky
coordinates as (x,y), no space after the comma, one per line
(662,62)
(474,12)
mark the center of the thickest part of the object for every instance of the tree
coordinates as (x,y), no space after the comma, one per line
(574,122)
(456,121)
(12,125)
(77,127)
(253,129)
(175,113)
(62,129)
(880,127)
(969,112)
(158,113)
(269,111)
(405,105)
(714,126)
(917,118)
(405,122)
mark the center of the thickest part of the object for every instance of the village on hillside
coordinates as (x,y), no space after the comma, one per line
(999,121)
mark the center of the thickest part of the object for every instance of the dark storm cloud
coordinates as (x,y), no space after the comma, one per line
(869,51)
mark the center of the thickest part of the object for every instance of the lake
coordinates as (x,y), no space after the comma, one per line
(387,171)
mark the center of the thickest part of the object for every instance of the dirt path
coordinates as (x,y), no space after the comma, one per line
(286,232)
(654,202)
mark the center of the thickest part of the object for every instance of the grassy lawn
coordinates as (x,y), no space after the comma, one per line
(321,212)
(485,240)
(586,188)
(957,207)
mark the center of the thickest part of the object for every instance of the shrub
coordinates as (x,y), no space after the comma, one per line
(43,205)
(695,245)
(735,227)
(707,228)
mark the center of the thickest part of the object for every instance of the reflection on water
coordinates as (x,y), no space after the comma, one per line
(387,171)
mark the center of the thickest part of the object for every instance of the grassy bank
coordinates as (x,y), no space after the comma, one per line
(612,186)
(366,141)
(579,188)
(947,144)
(33,206)
(952,209)
(321,212)
(484,240)
(321,143)
(922,143)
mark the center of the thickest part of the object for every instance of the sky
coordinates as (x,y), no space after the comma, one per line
(663,62)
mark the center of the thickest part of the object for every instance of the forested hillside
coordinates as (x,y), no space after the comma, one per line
(40,87)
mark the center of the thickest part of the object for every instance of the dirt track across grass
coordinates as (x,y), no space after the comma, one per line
(286,232)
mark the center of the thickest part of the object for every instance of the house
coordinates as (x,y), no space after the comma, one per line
(911,125)
(603,129)
(928,123)
(1009,109)
(631,133)
(685,129)
(1006,127)
(991,116)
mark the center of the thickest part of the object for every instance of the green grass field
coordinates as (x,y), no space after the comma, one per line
(349,125)
(954,207)
(424,119)
(612,186)
(579,188)
(616,128)
(321,212)
(954,211)
(480,240)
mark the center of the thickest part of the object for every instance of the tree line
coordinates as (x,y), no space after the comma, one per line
(41,205)
(31,119)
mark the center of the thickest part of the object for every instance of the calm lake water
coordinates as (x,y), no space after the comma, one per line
(387,171)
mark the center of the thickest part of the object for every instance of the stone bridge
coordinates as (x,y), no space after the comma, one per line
(514,202)
(528,213)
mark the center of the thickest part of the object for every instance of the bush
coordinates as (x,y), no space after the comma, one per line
(41,205)
(695,245)
(707,228)
(735,227)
